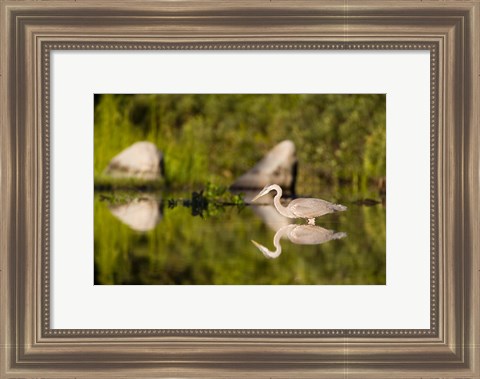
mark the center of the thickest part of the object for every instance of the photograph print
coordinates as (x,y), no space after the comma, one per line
(240,189)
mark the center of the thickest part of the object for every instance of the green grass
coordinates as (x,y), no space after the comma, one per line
(106,183)
(340,139)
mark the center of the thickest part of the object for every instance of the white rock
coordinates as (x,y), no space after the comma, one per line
(141,160)
(278,166)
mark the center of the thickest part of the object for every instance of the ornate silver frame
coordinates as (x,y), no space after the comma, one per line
(31,30)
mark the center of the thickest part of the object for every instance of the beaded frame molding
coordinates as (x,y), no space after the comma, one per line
(31,30)
(47,48)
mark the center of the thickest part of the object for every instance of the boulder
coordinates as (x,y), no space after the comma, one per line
(278,166)
(141,160)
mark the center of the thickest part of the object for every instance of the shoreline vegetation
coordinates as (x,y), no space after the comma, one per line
(207,202)
(216,138)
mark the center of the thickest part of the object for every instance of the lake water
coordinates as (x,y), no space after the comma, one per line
(151,239)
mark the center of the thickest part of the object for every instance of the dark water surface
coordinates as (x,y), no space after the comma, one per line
(145,239)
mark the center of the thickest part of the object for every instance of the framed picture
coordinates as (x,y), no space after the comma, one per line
(221,189)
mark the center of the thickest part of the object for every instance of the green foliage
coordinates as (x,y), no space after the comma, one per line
(222,195)
(210,201)
(105,183)
(340,139)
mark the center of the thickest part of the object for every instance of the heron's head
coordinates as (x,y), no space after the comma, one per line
(267,253)
(263,192)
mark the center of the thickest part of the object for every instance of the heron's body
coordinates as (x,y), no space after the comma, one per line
(308,208)
(310,234)
(300,235)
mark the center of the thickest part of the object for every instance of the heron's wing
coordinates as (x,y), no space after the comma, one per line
(309,235)
(310,208)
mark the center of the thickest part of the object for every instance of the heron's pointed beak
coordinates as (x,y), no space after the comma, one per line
(257,245)
(258,196)
(266,253)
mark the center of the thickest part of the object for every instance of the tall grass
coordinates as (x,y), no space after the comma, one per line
(340,139)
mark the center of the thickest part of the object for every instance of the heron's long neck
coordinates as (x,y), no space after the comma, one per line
(278,247)
(276,201)
(276,243)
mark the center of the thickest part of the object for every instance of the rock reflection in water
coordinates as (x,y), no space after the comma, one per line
(269,215)
(266,211)
(141,214)
(300,235)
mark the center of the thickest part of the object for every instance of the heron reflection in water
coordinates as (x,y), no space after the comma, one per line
(307,208)
(300,235)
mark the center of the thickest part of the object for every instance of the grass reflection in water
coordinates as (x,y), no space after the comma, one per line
(153,239)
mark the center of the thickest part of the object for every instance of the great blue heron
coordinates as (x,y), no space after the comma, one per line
(300,235)
(308,208)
